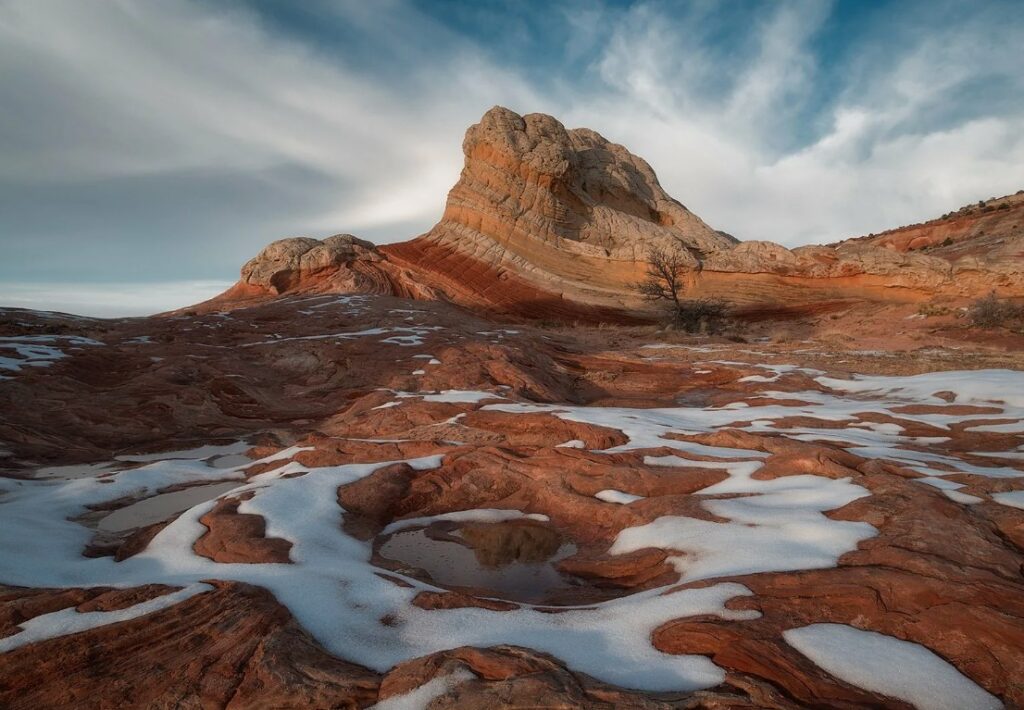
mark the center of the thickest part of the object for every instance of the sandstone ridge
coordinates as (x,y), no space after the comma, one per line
(546,221)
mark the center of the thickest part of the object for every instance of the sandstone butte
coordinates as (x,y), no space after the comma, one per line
(239,505)
(546,222)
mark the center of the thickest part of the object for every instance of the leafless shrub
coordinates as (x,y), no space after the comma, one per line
(993,312)
(705,314)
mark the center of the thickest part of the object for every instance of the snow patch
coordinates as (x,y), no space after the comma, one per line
(460,396)
(967,386)
(68,621)
(480,515)
(421,697)
(1014,499)
(610,495)
(890,666)
(781,527)
(38,350)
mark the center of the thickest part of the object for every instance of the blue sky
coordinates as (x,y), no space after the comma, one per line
(147,149)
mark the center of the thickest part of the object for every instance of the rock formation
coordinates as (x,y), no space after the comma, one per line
(549,222)
(338,264)
(565,211)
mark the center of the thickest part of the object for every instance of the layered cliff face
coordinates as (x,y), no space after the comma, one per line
(550,222)
(566,211)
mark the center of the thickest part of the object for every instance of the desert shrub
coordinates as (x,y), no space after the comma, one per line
(933,309)
(947,241)
(709,315)
(993,312)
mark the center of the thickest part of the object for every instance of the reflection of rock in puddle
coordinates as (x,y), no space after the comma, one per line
(512,560)
(160,507)
(72,471)
(700,397)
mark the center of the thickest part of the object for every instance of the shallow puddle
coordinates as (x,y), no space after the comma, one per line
(80,470)
(200,452)
(160,507)
(228,461)
(510,561)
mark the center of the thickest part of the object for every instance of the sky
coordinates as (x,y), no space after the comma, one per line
(148,148)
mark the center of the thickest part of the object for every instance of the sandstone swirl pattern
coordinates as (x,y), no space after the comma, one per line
(546,222)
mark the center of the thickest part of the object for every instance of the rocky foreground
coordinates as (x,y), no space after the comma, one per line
(348,501)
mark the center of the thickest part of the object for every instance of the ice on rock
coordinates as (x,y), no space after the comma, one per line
(331,588)
(460,396)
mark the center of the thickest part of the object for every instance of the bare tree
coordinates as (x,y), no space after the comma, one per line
(666,282)
(666,272)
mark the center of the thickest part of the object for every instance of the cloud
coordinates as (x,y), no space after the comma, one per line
(729,138)
(107,96)
(177,138)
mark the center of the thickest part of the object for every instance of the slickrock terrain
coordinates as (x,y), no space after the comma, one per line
(395,477)
(343,501)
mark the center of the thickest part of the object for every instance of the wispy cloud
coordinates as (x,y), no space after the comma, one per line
(117,113)
(753,147)
(174,139)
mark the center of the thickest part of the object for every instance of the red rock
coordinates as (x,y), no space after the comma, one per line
(546,222)
(233,647)
(238,537)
